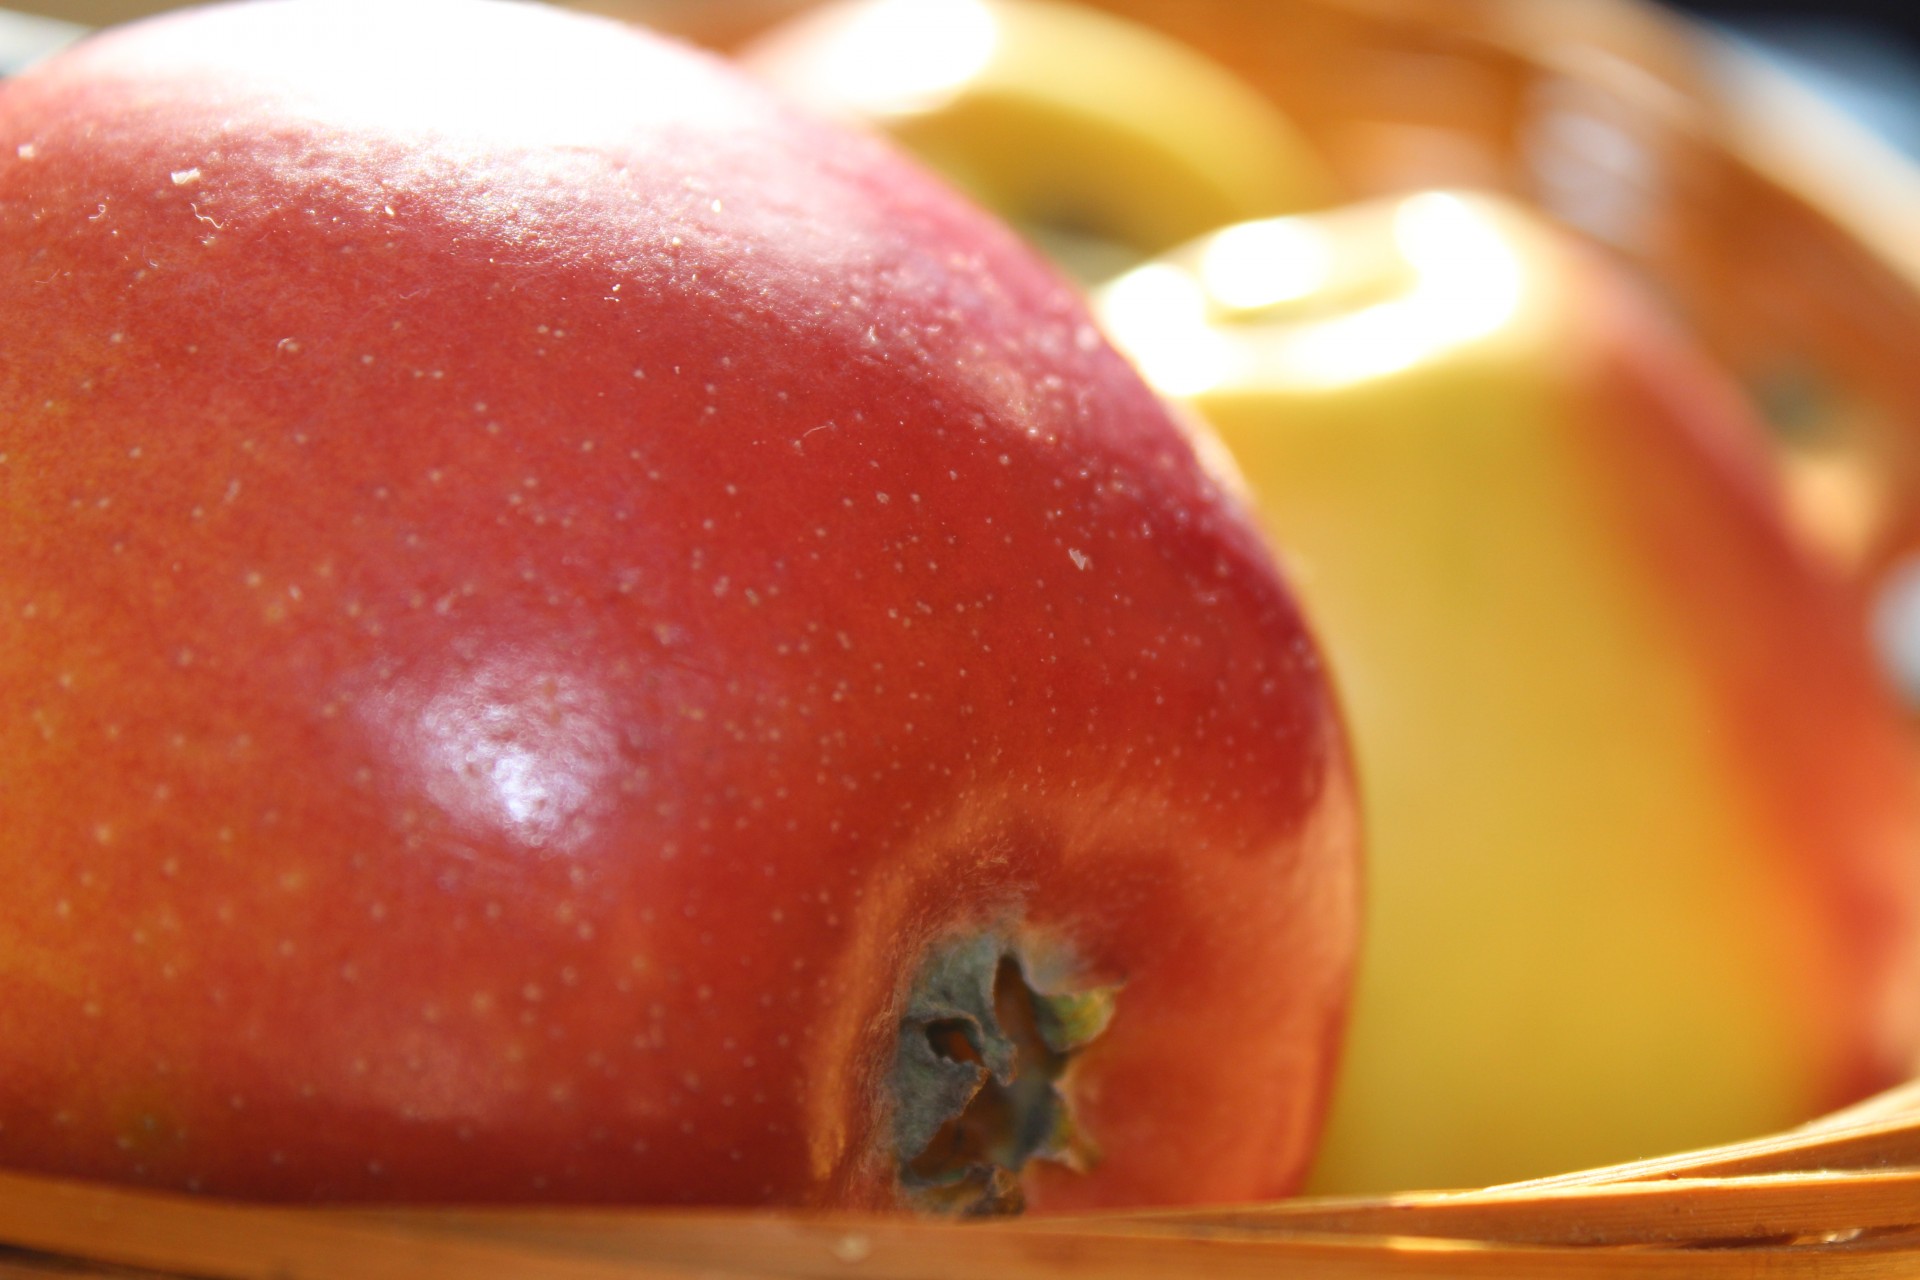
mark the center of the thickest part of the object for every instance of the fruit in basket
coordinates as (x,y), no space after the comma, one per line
(1641,816)
(1101,138)
(1550,701)
(571,633)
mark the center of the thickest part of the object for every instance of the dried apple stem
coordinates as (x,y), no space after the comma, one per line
(977,1078)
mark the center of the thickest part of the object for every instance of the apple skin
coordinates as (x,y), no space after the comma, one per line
(1644,851)
(536,582)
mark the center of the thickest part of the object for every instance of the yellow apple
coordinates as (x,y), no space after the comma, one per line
(1642,818)
(1105,140)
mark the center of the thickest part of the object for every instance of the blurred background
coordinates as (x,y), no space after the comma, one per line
(1863,56)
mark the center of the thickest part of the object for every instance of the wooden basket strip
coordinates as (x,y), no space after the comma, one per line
(1839,1197)
(1667,1212)
(1892,1104)
(101,1230)
(1043,1249)
(1881,1133)
(217,1240)
(1907,1240)
(40,1266)
(821,1248)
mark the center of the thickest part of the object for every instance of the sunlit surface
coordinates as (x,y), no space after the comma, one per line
(900,57)
(1195,328)
(351,62)
(1261,264)
(518,748)
(1896,628)
(1470,279)
(1158,314)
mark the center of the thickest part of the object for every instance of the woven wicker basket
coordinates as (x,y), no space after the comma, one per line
(1792,244)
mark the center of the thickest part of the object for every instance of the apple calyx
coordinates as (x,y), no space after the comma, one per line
(977,1077)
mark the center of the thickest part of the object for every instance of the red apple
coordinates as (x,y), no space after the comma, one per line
(571,633)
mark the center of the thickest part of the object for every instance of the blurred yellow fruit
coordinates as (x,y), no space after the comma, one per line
(1102,138)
